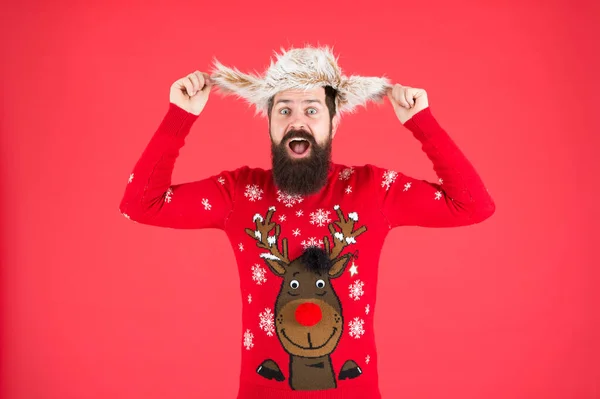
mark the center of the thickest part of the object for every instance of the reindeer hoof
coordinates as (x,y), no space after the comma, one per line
(350,370)
(270,370)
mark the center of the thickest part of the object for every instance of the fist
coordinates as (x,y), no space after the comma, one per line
(191,92)
(407,101)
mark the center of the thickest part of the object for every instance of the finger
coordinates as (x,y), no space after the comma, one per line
(195,83)
(409,96)
(208,82)
(189,87)
(400,96)
(200,77)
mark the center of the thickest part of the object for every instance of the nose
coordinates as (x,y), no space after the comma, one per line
(308,314)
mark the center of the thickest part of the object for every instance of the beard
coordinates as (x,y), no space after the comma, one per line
(302,176)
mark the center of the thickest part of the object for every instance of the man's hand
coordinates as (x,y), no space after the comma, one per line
(407,101)
(191,92)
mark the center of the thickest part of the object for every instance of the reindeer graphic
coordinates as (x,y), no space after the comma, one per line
(308,312)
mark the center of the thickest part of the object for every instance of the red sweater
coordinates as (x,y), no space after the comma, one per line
(306,333)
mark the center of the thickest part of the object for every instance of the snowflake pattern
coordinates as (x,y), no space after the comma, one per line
(441,180)
(296,232)
(241,247)
(221,180)
(356,290)
(126,216)
(299,213)
(206,204)
(356,329)
(248,339)
(367,309)
(253,192)
(348,189)
(345,174)
(289,200)
(249,298)
(130,178)
(311,242)
(367,359)
(407,186)
(320,217)
(438,195)
(259,274)
(267,322)
(168,195)
(282,218)
(389,177)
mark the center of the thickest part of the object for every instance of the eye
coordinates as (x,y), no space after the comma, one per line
(320,284)
(284,111)
(312,109)
(294,284)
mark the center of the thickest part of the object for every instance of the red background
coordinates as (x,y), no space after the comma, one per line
(95,306)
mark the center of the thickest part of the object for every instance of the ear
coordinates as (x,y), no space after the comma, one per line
(338,266)
(334,124)
(276,266)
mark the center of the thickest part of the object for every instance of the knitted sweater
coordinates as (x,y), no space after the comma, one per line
(307,333)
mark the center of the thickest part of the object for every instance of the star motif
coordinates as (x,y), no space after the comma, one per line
(353,269)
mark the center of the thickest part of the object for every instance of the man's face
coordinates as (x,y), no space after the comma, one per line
(301,131)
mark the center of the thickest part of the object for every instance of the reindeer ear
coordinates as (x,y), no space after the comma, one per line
(338,266)
(276,266)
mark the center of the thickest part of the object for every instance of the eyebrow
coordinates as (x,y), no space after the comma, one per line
(303,101)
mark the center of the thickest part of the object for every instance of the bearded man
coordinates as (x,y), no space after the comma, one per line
(296,229)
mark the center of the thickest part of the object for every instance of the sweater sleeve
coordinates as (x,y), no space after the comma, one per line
(151,198)
(458,198)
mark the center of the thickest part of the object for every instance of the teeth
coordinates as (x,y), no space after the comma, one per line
(298,139)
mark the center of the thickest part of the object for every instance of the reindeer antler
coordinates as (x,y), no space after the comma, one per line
(274,258)
(344,238)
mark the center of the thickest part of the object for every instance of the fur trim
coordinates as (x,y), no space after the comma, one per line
(300,68)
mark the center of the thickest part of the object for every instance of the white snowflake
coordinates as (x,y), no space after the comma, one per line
(299,213)
(356,290)
(345,174)
(248,339)
(126,216)
(348,189)
(388,178)
(407,186)
(289,199)
(296,232)
(249,298)
(356,327)
(253,192)
(267,322)
(320,217)
(241,247)
(207,206)
(168,195)
(367,359)
(441,180)
(259,274)
(221,180)
(282,218)
(311,242)
(438,195)
(367,309)
(130,178)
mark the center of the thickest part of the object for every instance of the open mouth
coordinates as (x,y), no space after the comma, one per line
(309,340)
(298,147)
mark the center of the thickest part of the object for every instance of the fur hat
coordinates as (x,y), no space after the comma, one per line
(300,68)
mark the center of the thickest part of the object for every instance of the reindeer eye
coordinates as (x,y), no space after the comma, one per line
(294,284)
(320,284)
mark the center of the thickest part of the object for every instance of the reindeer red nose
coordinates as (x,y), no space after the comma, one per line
(308,314)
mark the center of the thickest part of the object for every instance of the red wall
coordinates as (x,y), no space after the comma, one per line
(95,306)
